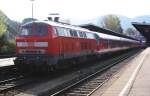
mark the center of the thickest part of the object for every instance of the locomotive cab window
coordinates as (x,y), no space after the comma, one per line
(39,29)
(26,30)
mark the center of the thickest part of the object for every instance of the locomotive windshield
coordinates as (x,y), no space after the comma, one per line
(34,29)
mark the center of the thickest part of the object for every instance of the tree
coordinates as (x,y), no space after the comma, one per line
(8,31)
(130,31)
(3,27)
(112,22)
(26,20)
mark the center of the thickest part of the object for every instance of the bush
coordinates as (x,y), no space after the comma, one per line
(8,47)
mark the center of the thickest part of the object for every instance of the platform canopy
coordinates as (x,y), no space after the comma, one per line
(93,27)
(144,29)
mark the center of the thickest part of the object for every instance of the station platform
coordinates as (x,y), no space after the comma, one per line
(6,62)
(133,81)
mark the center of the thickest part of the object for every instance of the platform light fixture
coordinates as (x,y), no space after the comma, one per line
(32,7)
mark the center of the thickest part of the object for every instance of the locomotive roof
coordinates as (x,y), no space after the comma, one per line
(60,25)
(101,35)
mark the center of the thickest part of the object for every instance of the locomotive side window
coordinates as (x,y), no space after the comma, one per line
(90,35)
(73,33)
(81,34)
(56,31)
(84,35)
(67,33)
(60,31)
(63,32)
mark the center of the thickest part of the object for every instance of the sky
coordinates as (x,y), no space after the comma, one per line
(73,9)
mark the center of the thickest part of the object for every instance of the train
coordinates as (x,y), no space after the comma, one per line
(47,45)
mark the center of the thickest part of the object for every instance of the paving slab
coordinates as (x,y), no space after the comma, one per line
(141,85)
(6,62)
(134,81)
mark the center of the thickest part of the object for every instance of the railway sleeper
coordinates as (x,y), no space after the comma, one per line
(97,82)
(88,87)
(80,91)
(83,89)
(94,82)
(91,84)
(75,94)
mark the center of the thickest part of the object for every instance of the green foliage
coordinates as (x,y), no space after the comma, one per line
(130,31)
(112,22)
(3,27)
(8,30)
(8,47)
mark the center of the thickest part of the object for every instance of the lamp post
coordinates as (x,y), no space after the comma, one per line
(32,7)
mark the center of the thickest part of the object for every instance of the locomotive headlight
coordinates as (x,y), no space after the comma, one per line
(41,44)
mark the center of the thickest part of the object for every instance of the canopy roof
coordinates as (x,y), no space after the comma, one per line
(144,29)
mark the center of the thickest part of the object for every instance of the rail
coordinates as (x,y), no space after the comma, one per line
(93,85)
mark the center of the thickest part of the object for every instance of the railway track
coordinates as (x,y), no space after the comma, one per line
(6,69)
(90,83)
(12,86)
(11,83)
(11,78)
(83,84)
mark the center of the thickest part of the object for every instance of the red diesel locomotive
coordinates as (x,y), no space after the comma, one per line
(44,44)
